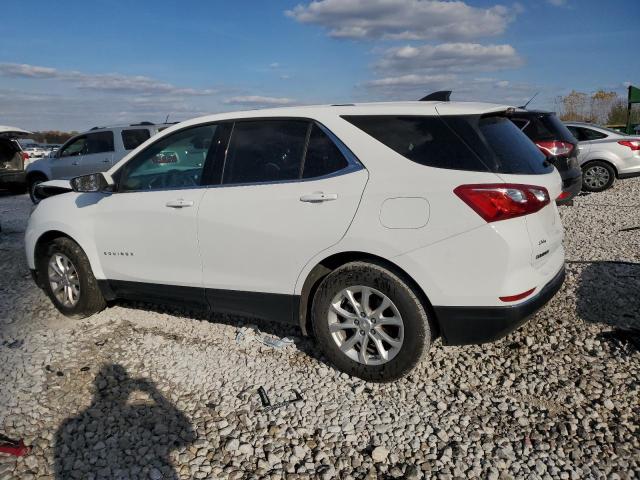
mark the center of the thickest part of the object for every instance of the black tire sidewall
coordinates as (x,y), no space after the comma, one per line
(91,299)
(32,185)
(417,331)
(612,176)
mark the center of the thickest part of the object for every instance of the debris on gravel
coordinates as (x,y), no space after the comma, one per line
(144,391)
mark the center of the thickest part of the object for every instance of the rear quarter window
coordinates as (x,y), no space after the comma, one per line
(461,142)
(133,138)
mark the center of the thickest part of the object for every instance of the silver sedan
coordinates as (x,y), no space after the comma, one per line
(604,155)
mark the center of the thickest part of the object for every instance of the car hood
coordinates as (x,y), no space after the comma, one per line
(12,132)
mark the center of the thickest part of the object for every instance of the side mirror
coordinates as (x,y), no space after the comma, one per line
(94,182)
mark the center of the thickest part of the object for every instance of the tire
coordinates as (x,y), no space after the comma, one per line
(88,299)
(33,183)
(415,333)
(597,176)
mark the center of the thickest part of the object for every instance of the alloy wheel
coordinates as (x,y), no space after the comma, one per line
(597,176)
(366,325)
(63,279)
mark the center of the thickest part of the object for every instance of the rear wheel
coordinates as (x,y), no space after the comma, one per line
(65,271)
(597,176)
(369,322)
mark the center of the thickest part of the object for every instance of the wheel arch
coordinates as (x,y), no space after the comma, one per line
(41,244)
(36,174)
(332,262)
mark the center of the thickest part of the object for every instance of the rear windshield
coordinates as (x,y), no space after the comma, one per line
(547,127)
(462,142)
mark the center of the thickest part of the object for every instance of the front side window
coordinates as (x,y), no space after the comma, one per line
(176,161)
(99,142)
(323,156)
(133,138)
(75,148)
(265,151)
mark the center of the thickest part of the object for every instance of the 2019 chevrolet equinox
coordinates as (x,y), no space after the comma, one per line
(377,227)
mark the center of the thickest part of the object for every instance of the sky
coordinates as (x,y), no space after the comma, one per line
(72,65)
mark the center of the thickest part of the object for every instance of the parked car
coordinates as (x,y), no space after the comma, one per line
(377,227)
(93,151)
(12,158)
(557,143)
(605,155)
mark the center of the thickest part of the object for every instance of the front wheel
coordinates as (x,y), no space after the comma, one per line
(65,271)
(370,322)
(597,176)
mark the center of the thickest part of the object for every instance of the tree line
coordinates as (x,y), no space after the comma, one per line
(52,136)
(601,107)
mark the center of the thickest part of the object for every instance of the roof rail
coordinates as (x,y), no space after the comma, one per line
(439,96)
(141,124)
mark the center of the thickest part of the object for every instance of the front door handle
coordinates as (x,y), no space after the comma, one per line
(106,160)
(317,197)
(180,203)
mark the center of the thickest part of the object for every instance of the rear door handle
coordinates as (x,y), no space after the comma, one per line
(317,197)
(180,203)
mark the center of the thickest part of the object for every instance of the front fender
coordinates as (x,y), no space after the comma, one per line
(76,223)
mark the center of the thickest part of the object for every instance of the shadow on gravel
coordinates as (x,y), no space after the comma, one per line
(305,345)
(608,293)
(128,431)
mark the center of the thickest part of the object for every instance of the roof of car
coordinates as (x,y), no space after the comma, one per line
(379,108)
(127,126)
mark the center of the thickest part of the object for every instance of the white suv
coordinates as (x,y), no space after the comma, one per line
(377,227)
(93,151)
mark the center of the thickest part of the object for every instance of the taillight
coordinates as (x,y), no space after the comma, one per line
(563,195)
(519,296)
(555,148)
(501,201)
(25,156)
(632,144)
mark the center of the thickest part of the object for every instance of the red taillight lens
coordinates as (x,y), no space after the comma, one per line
(25,156)
(555,148)
(563,195)
(632,144)
(501,201)
(519,296)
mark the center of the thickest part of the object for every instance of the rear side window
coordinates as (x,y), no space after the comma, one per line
(547,127)
(323,156)
(132,138)
(424,140)
(591,134)
(468,142)
(265,151)
(99,142)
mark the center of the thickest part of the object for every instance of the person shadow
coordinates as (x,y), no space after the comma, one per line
(128,431)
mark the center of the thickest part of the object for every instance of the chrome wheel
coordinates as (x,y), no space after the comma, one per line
(596,177)
(63,279)
(366,325)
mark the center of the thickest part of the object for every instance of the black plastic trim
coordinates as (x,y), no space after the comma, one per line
(474,325)
(629,175)
(274,307)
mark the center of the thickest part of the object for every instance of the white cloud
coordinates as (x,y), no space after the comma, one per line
(404,19)
(274,65)
(109,82)
(412,80)
(258,101)
(449,57)
(557,3)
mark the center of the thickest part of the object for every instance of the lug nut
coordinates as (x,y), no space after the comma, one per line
(361,332)
(373,320)
(356,321)
(362,314)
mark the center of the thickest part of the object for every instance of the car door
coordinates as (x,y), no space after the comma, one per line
(147,233)
(289,190)
(98,154)
(67,161)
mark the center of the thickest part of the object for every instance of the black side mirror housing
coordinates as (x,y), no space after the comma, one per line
(94,182)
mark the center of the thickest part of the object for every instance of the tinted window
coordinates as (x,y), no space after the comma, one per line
(546,127)
(176,161)
(99,142)
(75,148)
(323,156)
(591,134)
(132,138)
(425,140)
(458,142)
(265,151)
(520,123)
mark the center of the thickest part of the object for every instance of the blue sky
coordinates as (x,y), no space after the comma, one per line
(77,64)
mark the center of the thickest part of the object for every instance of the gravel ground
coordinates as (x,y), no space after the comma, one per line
(139,391)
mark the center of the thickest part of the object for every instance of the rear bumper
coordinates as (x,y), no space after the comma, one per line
(473,325)
(571,186)
(13,178)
